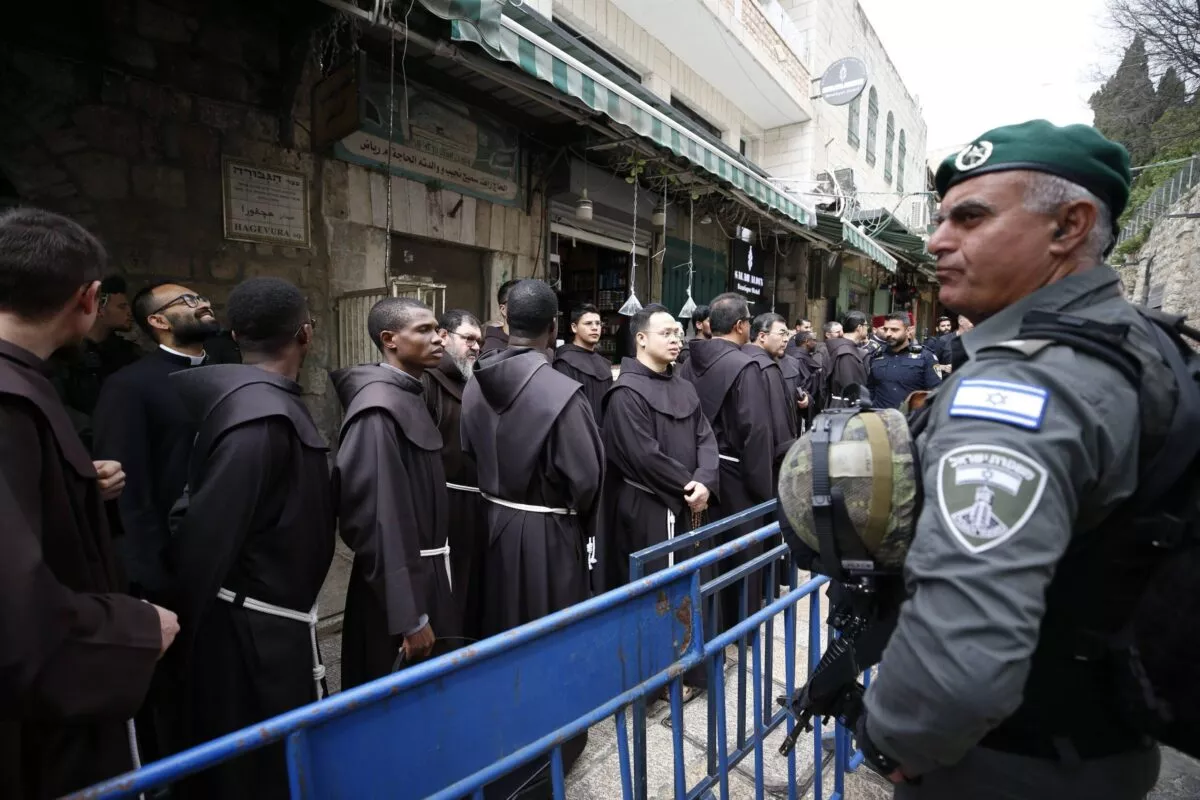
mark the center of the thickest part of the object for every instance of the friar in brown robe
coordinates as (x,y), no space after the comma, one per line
(467,517)
(252,540)
(78,654)
(540,463)
(733,393)
(768,341)
(579,361)
(392,503)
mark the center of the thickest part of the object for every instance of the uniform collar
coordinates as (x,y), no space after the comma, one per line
(1098,282)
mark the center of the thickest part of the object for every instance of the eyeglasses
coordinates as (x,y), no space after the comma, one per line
(189,300)
(670,333)
(470,339)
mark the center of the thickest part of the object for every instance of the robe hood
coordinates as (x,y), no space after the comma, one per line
(494,338)
(706,354)
(759,356)
(840,345)
(666,393)
(790,366)
(586,361)
(401,396)
(502,374)
(259,395)
(203,388)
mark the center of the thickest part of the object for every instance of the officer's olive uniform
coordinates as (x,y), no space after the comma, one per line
(1026,447)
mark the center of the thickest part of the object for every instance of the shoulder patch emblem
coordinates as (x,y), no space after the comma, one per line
(987,493)
(1017,404)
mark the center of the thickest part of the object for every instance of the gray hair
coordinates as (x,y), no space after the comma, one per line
(1046,194)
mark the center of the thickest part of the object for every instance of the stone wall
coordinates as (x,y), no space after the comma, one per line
(126,134)
(1168,265)
(356,225)
(128,139)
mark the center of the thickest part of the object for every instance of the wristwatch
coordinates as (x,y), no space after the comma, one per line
(874,758)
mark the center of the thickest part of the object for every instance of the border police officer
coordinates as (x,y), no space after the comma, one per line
(1027,447)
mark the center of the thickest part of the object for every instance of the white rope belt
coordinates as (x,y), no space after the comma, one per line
(444,552)
(309,618)
(724,457)
(563,512)
(458,487)
(670,517)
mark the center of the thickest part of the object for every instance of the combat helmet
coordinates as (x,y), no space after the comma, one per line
(848,490)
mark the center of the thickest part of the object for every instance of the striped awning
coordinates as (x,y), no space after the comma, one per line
(870,248)
(506,39)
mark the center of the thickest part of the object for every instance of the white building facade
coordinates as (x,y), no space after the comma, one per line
(876,145)
(748,72)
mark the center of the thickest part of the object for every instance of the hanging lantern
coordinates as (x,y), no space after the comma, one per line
(583,209)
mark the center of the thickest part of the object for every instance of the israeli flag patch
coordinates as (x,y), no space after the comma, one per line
(1015,403)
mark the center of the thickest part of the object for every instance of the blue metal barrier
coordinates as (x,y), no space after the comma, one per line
(448,727)
(767,715)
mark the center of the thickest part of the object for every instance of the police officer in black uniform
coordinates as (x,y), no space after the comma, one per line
(901,367)
(939,345)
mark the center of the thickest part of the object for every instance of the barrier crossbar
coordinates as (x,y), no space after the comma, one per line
(451,726)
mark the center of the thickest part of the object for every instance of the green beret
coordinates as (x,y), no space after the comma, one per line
(1079,153)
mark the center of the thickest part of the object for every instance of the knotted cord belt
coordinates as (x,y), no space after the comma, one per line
(310,618)
(670,518)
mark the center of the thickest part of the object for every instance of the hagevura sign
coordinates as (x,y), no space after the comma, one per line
(843,81)
(434,137)
(265,205)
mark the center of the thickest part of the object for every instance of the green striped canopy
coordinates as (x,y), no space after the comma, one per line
(481,22)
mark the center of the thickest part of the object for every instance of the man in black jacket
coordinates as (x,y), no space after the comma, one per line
(142,422)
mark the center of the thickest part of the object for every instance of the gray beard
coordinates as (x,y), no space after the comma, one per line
(466,367)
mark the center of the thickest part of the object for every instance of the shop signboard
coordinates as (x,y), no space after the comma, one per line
(748,276)
(434,138)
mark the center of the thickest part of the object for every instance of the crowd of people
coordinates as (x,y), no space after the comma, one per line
(175,512)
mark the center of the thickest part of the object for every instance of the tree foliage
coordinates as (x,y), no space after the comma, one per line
(1127,105)
(1172,91)
(1168,29)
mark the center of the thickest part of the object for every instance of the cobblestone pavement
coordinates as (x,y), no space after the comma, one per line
(596,776)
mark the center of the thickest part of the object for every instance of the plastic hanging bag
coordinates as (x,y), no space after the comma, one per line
(689,307)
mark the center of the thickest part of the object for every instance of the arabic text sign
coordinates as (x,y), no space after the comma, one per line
(430,165)
(436,139)
(265,205)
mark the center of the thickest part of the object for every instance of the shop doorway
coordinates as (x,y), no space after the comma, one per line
(594,269)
